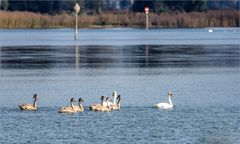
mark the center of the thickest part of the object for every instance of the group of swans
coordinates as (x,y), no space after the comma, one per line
(105,106)
(72,108)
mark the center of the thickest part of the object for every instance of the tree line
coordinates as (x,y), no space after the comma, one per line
(97,6)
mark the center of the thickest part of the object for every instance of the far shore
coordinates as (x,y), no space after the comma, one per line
(213,18)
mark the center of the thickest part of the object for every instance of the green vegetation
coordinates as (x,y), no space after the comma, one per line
(4,4)
(97,6)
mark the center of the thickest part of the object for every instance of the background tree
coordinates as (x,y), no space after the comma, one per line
(138,5)
(4,5)
(98,6)
(160,6)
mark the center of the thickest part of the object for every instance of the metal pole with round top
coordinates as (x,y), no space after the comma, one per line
(146,10)
(76,9)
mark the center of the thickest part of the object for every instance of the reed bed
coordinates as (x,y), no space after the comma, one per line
(213,18)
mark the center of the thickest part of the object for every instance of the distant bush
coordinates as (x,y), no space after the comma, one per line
(215,18)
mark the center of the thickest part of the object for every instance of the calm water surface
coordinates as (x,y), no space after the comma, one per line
(204,78)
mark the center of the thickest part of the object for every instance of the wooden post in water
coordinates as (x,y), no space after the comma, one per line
(76,9)
(146,10)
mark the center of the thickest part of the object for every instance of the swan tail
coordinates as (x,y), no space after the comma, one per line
(21,107)
(91,107)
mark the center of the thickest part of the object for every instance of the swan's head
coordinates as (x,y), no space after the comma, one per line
(102,98)
(107,98)
(80,100)
(170,93)
(114,93)
(35,96)
(119,97)
(72,100)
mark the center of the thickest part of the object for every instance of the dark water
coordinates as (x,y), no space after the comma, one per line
(204,78)
(138,56)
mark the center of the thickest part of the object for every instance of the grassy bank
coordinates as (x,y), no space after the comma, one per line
(217,18)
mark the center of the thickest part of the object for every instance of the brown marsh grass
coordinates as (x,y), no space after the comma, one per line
(214,18)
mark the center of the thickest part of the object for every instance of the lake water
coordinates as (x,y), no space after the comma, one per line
(201,68)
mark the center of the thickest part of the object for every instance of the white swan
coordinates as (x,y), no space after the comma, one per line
(210,30)
(116,106)
(166,105)
(115,97)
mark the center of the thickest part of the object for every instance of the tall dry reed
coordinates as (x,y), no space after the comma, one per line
(216,18)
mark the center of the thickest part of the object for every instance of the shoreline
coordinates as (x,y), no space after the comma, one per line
(119,28)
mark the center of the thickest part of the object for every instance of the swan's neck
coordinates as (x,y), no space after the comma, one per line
(115,99)
(35,103)
(118,104)
(108,104)
(102,102)
(80,105)
(170,101)
(71,104)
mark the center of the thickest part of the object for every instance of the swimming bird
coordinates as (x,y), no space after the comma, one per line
(166,105)
(101,107)
(116,106)
(92,107)
(30,106)
(79,108)
(114,95)
(210,30)
(68,109)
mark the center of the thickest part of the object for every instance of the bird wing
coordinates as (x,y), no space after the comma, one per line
(26,106)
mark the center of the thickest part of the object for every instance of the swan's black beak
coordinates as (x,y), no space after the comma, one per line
(119,97)
(35,96)
(113,93)
(73,100)
(80,100)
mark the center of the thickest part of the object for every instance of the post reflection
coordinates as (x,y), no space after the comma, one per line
(77,56)
(146,55)
(47,57)
(0,58)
